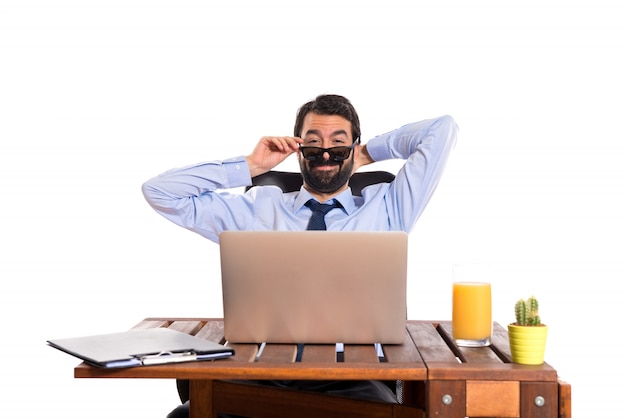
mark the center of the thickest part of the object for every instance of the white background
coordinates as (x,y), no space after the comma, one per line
(98,96)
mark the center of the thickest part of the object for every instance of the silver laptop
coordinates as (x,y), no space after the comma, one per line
(314,286)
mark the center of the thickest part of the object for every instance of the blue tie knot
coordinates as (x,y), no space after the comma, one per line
(320,210)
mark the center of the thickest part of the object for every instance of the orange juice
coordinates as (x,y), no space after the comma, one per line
(471,313)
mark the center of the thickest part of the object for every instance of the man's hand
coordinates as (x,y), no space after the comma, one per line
(271,151)
(362,157)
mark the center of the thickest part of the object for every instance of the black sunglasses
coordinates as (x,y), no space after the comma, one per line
(335,153)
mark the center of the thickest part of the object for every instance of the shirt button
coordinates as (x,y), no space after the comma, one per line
(237,166)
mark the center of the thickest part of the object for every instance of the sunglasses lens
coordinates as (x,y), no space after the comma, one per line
(339,153)
(312,153)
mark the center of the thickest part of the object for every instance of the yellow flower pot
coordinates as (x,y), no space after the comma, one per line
(528,343)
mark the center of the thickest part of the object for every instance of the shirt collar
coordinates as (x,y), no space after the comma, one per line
(345,198)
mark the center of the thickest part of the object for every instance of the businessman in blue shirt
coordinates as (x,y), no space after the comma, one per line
(327,143)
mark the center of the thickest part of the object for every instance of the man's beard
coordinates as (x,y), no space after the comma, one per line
(325,181)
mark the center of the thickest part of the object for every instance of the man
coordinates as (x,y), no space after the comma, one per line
(326,141)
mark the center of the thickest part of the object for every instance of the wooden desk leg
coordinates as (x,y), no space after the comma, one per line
(539,399)
(445,398)
(565,399)
(201,399)
(414,393)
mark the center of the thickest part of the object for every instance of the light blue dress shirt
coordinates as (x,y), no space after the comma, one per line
(196,197)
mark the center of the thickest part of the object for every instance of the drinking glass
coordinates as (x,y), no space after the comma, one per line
(471,314)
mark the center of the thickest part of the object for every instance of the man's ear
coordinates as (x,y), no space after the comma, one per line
(357,151)
(355,159)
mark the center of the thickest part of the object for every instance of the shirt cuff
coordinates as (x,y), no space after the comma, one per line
(377,149)
(237,172)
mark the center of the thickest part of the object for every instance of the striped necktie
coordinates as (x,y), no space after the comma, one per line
(317,222)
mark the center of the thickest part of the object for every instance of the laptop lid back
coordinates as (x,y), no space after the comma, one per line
(314,286)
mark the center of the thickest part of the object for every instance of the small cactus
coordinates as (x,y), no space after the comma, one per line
(527,312)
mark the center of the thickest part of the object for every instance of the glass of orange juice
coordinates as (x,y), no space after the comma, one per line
(471,314)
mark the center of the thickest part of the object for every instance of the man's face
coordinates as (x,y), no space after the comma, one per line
(324,175)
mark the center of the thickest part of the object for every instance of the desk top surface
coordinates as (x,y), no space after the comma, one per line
(427,353)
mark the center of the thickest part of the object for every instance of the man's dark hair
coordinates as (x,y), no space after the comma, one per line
(329,104)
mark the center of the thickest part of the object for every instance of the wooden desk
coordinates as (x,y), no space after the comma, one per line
(446,381)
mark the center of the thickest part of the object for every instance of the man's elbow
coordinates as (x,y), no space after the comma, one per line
(149,192)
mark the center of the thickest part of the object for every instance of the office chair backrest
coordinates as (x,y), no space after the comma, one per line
(291,181)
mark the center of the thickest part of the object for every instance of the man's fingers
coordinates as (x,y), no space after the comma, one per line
(282,143)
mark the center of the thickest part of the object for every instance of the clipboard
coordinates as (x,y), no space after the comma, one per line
(141,347)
